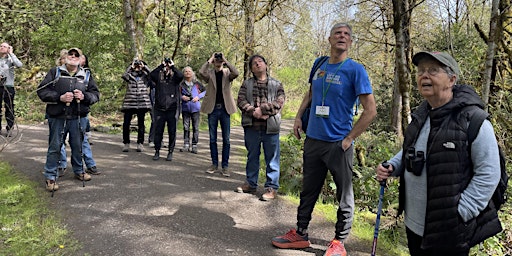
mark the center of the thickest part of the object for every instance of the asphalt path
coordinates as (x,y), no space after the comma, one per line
(138,206)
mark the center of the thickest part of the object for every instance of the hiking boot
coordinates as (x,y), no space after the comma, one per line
(140,147)
(185,148)
(157,155)
(245,188)
(51,185)
(126,147)
(270,194)
(212,169)
(336,248)
(93,170)
(194,149)
(83,176)
(61,171)
(169,157)
(291,240)
(225,172)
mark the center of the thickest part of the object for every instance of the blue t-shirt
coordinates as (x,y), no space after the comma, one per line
(341,86)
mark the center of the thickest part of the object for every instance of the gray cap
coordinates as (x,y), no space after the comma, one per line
(443,57)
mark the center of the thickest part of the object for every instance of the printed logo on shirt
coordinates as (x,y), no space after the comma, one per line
(333,79)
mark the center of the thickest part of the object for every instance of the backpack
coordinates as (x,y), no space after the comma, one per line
(500,194)
(86,79)
(316,66)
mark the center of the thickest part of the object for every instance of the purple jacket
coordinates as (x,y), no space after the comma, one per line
(197,90)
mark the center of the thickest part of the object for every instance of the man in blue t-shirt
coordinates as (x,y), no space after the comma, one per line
(335,87)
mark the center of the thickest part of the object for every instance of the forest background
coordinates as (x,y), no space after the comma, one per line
(290,34)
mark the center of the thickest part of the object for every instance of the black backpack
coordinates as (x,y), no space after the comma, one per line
(500,194)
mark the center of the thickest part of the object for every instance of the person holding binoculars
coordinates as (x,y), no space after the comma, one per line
(136,101)
(191,93)
(219,104)
(166,81)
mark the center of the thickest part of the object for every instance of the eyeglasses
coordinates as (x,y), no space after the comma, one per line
(76,54)
(433,71)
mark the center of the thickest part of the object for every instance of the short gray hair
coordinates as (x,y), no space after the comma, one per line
(341,24)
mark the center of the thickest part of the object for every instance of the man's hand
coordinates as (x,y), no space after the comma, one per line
(297,128)
(78,95)
(67,97)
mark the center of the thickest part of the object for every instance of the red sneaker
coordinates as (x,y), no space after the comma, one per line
(336,248)
(291,240)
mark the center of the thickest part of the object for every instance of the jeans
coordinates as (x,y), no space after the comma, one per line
(59,128)
(128,115)
(253,141)
(86,152)
(162,117)
(7,96)
(320,157)
(187,118)
(219,115)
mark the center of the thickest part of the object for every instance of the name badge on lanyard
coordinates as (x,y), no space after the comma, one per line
(322,111)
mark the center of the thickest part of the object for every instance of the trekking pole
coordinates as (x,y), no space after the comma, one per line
(81,138)
(385,164)
(62,138)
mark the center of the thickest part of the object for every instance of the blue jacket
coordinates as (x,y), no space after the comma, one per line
(198,90)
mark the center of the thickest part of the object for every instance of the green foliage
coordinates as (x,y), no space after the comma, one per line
(28,227)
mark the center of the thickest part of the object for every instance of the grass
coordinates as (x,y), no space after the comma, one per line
(27,225)
(391,240)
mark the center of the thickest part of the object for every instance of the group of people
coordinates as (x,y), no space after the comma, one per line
(445,188)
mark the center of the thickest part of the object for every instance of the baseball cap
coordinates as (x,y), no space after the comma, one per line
(443,57)
(75,50)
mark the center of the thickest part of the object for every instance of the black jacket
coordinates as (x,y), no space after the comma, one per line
(167,88)
(52,87)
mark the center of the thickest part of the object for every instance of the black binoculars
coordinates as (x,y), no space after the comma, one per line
(218,56)
(414,160)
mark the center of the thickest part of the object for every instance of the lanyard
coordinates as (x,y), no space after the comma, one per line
(324,90)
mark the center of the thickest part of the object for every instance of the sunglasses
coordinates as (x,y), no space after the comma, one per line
(76,54)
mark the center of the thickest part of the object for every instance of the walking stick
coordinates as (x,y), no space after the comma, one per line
(81,138)
(379,211)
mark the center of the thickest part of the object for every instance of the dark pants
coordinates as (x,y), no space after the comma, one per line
(162,117)
(320,157)
(187,118)
(414,244)
(128,115)
(219,115)
(7,96)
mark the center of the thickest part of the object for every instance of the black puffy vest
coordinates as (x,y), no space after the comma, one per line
(449,171)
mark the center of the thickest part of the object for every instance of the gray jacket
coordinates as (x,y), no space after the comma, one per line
(7,65)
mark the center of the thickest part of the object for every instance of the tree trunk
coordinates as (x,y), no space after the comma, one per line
(130,26)
(401,25)
(250,18)
(491,49)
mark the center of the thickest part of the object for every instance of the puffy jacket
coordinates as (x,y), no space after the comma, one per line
(448,174)
(197,90)
(137,89)
(52,87)
(167,88)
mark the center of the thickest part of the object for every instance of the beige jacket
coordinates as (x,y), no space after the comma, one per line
(207,73)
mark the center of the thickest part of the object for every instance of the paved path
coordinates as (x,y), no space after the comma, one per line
(138,206)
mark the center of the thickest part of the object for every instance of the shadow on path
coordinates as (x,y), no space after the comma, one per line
(138,206)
